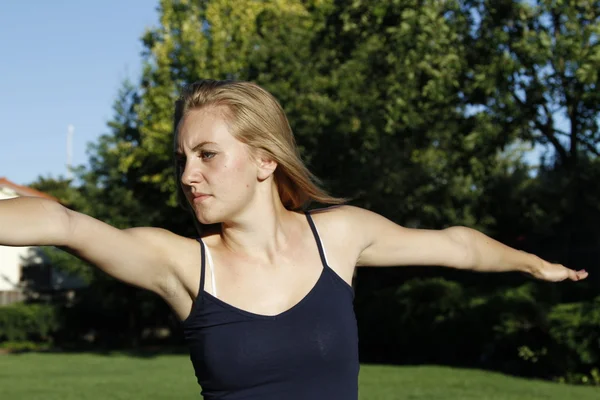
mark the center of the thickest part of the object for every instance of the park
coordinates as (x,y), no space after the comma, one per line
(475,113)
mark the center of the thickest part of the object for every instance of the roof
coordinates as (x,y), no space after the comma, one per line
(24,190)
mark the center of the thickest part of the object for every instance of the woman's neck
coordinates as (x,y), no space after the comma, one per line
(263,231)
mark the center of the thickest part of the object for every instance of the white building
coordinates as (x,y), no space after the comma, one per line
(14,259)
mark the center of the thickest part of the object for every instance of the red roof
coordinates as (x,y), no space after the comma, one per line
(24,190)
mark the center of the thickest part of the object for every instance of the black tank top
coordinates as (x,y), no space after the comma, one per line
(307,352)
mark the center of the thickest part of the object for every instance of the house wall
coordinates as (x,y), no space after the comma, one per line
(11,261)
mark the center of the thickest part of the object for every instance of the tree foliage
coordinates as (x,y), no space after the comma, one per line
(420,110)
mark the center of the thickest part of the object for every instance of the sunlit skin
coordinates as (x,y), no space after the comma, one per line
(265,256)
(214,163)
(258,235)
(265,259)
(255,256)
(260,250)
(242,195)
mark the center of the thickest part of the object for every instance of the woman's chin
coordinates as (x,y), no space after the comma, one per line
(206,218)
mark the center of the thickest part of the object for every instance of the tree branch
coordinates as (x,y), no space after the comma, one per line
(547,130)
(544,129)
(561,132)
(590,147)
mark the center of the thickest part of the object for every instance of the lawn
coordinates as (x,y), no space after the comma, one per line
(94,377)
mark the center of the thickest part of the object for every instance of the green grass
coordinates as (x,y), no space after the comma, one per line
(93,376)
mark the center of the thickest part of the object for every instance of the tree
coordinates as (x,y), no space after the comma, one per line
(372,89)
(415,109)
(535,72)
(537,67)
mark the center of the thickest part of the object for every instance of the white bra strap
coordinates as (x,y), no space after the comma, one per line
(321,243)
(324,252)
(212,271)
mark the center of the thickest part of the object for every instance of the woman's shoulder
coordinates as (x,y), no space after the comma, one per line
(338,220)
(176,245)
(338,214)
(340,230)
(350,224)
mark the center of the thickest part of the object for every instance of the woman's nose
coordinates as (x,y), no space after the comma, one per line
(191,175)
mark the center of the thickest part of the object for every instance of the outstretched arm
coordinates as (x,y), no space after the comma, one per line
(136,256)
(385,243)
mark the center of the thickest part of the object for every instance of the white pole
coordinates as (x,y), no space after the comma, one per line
(70,130)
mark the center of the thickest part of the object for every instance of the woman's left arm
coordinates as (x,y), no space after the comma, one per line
(384,243)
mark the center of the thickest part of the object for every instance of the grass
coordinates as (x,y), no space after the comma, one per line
(93,377)
(432,382)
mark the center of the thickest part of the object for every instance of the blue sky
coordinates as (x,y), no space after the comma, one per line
(61,63)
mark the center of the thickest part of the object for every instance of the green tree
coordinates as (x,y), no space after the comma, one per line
(130,180)
(410,107)
(537,66)
(535,72)
(378,108)
(372,89)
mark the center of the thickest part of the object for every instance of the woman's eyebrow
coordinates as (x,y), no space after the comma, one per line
(202,144)
(196,147)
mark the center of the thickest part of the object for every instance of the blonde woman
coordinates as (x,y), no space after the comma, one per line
(265,294)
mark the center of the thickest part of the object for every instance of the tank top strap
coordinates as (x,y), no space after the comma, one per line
(313,228)
(202,265)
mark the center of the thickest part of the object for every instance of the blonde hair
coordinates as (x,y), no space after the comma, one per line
(257,119)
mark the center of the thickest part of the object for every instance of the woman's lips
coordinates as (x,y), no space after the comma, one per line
(199,198)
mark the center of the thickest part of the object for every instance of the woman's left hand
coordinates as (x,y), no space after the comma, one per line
(557,272)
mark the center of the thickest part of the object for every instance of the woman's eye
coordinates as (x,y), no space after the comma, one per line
(207,155)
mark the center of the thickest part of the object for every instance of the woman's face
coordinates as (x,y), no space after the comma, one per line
(218,172)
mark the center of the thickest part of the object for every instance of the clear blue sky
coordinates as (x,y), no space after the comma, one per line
(61,63)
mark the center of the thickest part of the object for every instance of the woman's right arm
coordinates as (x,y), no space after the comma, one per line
(137,256)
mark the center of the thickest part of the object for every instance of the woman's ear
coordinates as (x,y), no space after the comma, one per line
(266,166)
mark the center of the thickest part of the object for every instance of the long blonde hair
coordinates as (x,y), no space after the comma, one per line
(257,119)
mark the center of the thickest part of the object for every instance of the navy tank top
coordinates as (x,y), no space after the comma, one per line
(307,352)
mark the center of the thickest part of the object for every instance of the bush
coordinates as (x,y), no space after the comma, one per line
(28,322)
(23,346)
(407,324)
(518,339)
(575,328)
(515,330)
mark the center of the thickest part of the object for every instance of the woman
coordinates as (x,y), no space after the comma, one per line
(264,294)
